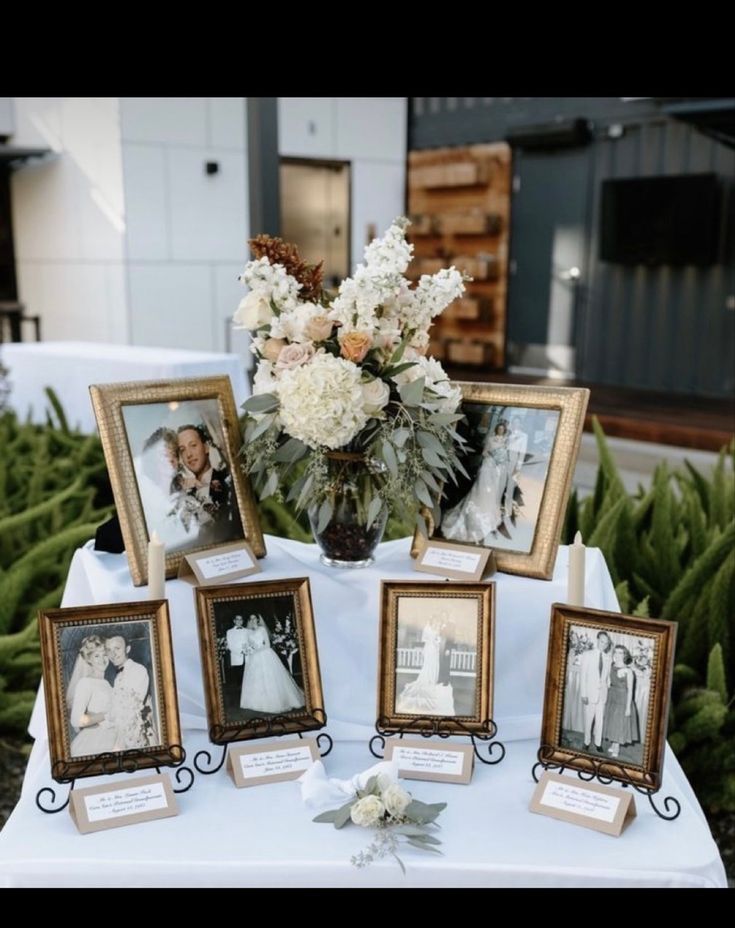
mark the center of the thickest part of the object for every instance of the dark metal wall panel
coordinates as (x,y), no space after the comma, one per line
(662,328)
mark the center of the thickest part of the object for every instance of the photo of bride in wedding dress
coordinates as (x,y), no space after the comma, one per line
(436,658)
(499,506)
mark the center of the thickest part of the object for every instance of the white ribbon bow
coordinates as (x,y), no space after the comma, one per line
(321,792)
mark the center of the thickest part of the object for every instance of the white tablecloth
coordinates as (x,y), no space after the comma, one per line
(70,367)
(264,836)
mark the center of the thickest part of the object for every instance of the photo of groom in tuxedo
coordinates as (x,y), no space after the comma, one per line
(594,684)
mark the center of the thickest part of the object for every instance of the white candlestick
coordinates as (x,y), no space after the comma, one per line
(575,583)
(156,568)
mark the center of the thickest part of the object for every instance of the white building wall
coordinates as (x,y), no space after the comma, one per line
(187,231)
(370,133)
(68,217)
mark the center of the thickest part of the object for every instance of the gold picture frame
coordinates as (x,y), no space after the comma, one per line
(546,463)
(607,659)
(452,624)
(235,711)
(142,416)
(102,719)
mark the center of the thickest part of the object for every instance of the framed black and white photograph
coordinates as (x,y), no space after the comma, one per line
(110,687)
(607,691)
(171,450)
(260,660)
(436,654)
(522,448)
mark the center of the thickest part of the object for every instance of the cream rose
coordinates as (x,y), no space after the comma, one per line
(367,811)
(318,328)
(355,345)
(294,356)
(396,800)
(375,396)
(254,311)
(272,348)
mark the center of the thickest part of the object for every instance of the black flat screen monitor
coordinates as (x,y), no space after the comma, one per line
(660,220)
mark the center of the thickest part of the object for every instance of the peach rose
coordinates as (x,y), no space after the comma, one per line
(318,328)
(272,348)
(355,345)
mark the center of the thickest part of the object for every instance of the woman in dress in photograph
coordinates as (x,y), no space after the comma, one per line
(89,700)
(266,684)
(621,716)
(477,517)
(425,695)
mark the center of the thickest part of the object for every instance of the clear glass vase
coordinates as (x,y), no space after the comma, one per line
(345,539)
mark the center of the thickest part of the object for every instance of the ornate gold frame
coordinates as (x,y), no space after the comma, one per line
(648,774)
(50,624)
(572,405)
(390,592)
(222,731)
(108,400)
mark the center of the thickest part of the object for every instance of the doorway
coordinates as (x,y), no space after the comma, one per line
(548,260)
(315,213)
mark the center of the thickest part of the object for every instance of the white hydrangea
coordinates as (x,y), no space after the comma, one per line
(322,402)
(367,811)
(272,281)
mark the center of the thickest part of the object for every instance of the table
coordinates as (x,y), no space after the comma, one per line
(70,367)
(264,836)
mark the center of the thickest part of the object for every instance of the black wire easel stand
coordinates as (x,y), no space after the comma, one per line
(113,762)
(276,726)
(604,771)
(426,727)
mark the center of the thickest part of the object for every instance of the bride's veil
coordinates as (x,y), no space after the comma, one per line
(260,623)
(81,669)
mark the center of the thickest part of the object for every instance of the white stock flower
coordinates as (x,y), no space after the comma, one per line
(264,380)
(272,281)
(390,254)
(367,811)
(253,311)
(396,800)
(434,293)
(375,395)
(322,402)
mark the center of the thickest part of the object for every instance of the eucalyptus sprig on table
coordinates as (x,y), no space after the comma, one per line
(395,815)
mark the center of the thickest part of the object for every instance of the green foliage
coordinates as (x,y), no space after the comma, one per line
(671,554)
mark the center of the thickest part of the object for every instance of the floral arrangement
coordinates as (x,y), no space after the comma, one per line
(396,816)
(579,642)
(348,375)
(284,640)
(132,718)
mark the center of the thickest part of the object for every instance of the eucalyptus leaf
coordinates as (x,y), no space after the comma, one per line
(424,847)
(428,479)
(445,418)
(423,494)
(325,514)
(421,525)
(304,492)
(423,838)
(328,816)
(408,829)
(432,458)
(376,504)
(343,815)
(400,437)
(291,450)
(389,456)
(427,440)
(265,423)
(395,369)
(413,392)
(271,485)
(262,402)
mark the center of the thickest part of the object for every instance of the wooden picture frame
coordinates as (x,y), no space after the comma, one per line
(237,711)
(641,656)
(101,719)
(143,427)
(455,620)
(519,479)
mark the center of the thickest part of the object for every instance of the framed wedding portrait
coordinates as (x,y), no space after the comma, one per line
(436,655)
(606,702)
(522,448)
(259,659)
(171,449)
(110,688)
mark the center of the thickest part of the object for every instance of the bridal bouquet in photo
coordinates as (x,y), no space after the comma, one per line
(348,414)
(396,816)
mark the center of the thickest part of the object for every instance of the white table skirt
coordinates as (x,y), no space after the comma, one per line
(70,367)
(264,836)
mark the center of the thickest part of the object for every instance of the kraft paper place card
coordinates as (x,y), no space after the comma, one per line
(592,805)
(219,565)
(455,561)
(272,762)
(420,759)
(122,802)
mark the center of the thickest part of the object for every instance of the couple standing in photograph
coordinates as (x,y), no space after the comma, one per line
(431,692)
(488,507)
(186,488)
(266,684)
(607,685)
(109,716)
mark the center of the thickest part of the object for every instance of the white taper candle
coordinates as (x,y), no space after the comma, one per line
(156,568)
(575,583)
